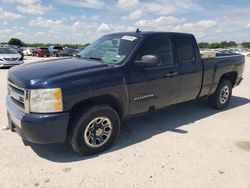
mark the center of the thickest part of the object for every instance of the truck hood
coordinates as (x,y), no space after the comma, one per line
(36,74)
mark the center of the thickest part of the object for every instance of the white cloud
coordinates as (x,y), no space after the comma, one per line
(201,25)
(104,27)
(94,18)
(54,26)
(20,34)
(134,15)
(18,28)
(207,24)
(9,15)
(83,16)
(5,31)
(72,18)
(41,22)
(248,25)
(188,5)
(127,3)
(160,8)
(95,4)
(23,2)
(159,22)
(39,33)
(36,9)
(81,26)
(199,29)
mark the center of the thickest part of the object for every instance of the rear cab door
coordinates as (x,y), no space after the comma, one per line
(190,71)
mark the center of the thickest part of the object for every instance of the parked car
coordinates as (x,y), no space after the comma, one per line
(55,50)
(243,52)
(16,48)
(85,99)
(9,57)
(225,52)
(28,51)
(68,52)
(40,52)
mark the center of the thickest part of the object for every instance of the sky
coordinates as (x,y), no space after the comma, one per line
(52,21)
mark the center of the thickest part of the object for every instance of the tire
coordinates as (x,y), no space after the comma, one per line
(221,97)
(88,136)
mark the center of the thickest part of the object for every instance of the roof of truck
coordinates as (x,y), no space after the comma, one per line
(148,33)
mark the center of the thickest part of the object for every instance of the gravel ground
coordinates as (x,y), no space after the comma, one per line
(189,145)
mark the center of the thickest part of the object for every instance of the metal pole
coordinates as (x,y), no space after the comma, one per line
(70,32)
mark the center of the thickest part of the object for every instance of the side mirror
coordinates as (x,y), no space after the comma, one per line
(148,61)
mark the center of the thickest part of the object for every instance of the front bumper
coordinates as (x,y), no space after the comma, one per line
(10,63)
(37,128)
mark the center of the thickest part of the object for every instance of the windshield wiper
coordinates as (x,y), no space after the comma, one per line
(93,58)
(98,59)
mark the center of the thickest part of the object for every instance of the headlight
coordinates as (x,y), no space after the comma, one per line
(46,100)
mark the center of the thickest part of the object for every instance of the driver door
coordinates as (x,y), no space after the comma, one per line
(156,87)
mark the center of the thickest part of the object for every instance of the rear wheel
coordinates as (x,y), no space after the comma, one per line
(94,130)
(221,97)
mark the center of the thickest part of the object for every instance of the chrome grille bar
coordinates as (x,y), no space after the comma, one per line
(19,95)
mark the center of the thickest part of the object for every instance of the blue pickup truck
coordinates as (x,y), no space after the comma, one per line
(84,99)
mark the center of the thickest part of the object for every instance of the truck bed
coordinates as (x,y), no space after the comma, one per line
(214,68)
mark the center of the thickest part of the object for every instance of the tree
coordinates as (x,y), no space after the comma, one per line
(203,45)
(215,45)
(224,44)
(231,44)
(14,41)
(246,44)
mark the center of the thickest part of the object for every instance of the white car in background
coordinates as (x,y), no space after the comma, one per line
(27,51)
(9,57)
(242,52)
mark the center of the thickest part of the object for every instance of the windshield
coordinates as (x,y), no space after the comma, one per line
(110,49)
(7,51)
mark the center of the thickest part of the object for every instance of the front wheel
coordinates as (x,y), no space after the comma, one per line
(221,97)
(94,130)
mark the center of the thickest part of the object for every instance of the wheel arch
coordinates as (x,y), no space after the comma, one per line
(232,76)
(109,100)
(83,105)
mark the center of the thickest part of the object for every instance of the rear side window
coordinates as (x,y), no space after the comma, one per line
(160,46)
(185,49)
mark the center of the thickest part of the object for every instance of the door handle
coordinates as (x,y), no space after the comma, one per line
(172,74)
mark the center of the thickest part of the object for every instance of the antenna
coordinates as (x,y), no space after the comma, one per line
(70,31)
(138,30)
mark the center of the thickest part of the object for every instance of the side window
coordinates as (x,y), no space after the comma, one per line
(185,49)
(161,47)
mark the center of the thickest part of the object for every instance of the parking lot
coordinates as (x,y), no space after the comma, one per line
(188,145)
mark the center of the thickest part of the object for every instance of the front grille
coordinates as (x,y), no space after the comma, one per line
(17,95)
(10,59)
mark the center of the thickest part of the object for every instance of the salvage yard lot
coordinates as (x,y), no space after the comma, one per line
(188,145)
